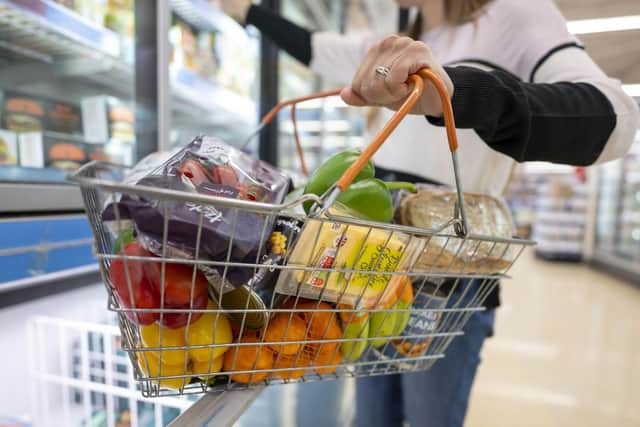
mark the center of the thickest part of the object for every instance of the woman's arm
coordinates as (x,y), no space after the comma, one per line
(579,118)
(569,111)
(291,38)
(572,121)
(333,56)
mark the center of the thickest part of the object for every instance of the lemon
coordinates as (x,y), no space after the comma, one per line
(211,328)
(170,338)
(150,366)
(202,368)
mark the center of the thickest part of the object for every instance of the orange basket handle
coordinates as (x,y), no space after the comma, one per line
(460,219)
(392,124)
(293,102)
(381,137)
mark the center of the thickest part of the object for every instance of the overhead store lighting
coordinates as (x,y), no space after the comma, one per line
(604,25)
(632,90)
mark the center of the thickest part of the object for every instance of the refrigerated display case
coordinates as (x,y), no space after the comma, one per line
(110,81)
(99,80)
(617,222)
(53,59)
(66,98)
(213,74)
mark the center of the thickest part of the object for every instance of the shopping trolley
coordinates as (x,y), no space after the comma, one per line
(349,327)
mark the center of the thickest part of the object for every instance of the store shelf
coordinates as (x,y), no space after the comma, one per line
(203,15)
(46,30)
(564,218)
(193,92)
(19,197)
(44,40)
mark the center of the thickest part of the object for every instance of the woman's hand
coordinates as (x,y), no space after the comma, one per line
(237,9)
(402,56)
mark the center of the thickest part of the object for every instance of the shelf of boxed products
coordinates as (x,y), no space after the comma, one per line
(204,15)
(51,34)
(44,32)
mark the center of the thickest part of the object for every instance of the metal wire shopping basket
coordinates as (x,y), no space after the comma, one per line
(341,316)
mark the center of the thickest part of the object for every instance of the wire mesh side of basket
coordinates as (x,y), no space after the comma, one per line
(450,277)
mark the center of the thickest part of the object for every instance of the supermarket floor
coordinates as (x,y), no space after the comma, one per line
(566,352)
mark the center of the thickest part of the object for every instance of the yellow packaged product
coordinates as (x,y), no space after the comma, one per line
(361,254)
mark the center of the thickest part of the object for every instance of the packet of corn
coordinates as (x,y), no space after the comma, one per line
(344,263)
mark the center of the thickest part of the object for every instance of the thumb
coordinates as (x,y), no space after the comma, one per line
(350,97)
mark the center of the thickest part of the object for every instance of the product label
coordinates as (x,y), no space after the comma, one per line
(420,325)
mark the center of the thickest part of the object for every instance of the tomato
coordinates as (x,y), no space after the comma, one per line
(194,171)
(178,279)
(177,283)
(225,175)
(144,296)
(180,319)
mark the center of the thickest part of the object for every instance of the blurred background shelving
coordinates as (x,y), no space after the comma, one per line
(70,74)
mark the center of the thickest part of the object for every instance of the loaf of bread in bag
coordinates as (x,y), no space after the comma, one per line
(488,217)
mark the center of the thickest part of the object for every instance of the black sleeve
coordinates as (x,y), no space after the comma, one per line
(291,38)
(557,122)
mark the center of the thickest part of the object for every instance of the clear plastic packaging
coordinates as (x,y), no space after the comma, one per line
(432,207)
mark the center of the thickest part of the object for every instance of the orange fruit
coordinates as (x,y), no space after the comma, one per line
(290,362)
(245,358)
(324,359)
(295,329)
(322,324)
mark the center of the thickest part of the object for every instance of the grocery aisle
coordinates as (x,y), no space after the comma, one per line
(566,351)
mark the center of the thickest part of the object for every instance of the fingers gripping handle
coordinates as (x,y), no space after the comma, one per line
(381,137)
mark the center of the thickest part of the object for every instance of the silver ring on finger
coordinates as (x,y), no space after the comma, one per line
(382,71)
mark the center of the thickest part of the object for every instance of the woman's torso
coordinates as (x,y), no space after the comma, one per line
(419,148)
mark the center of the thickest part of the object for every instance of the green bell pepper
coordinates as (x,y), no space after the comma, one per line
(331,170)
(367,197)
